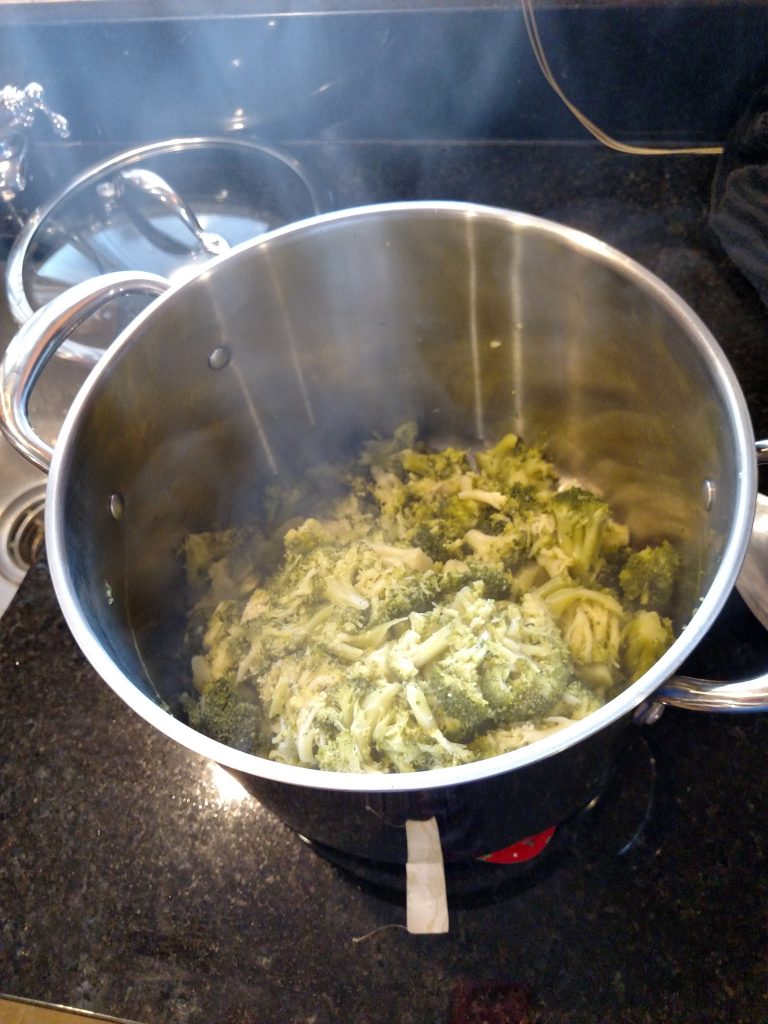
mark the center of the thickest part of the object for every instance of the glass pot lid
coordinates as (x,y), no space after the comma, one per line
(162,208)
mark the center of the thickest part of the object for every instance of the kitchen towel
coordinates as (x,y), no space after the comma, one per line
(739,203)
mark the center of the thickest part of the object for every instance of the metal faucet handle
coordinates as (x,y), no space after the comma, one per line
(18,108)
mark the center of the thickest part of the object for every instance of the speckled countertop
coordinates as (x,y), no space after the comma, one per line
(131,884)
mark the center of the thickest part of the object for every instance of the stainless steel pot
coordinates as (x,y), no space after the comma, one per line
(295,346)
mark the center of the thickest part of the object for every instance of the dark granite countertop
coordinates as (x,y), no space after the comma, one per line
(130,885)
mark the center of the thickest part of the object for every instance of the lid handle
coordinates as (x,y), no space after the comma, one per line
(132,186)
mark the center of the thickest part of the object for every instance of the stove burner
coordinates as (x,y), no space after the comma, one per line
(625,819)
(21,533)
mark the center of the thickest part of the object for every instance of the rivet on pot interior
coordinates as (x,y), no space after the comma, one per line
(707,494)
(219,358)
(116,505)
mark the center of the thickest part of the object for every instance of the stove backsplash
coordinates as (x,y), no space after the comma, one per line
(659,74)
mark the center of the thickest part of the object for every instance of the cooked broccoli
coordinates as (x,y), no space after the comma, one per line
(384,453)
(497,583)
(404,456)
(487,662)
(510,464)
(440,525)
(445,464)
(451,686)
(219,566)
(224,639)
(201,550)
(527,666)
(506,549)
(643,641)
(614,553)
(649,576)
(421,591)
(591,621)
(576,703)
(417,592)
(222,713)
(445,608)
(580,520)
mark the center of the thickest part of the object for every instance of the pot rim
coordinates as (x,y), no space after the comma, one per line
(734,548)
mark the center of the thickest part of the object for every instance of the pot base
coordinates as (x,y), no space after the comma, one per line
(629,814)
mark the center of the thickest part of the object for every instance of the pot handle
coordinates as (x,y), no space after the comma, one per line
(37,340)
(745,696)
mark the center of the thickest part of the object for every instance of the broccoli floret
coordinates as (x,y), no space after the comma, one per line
(440,523)
(421,591)
(522,500)
(591,621)
(305,537)
(516,670)
(580,521)
(453,691)
(507,549)
(438,526)
(614,542)
(340,753)
(426,510)
(384,452)
(643,641)
(220,566)
(575,703)
(404,457)
(224,639)
(445,464)
(527,666)
(220,712)
(438,544)
(498,584)
(511,464)
(336,736)
(578,700)
(416,592)
(407,741)
(649,577)
(200,550)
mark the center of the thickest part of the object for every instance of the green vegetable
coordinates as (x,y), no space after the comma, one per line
(510,464)
(644,639)
(229,717)
(649,576)
(440,608)
(591,621)
(580,517)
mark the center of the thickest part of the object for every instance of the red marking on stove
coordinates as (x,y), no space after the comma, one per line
(525,849)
